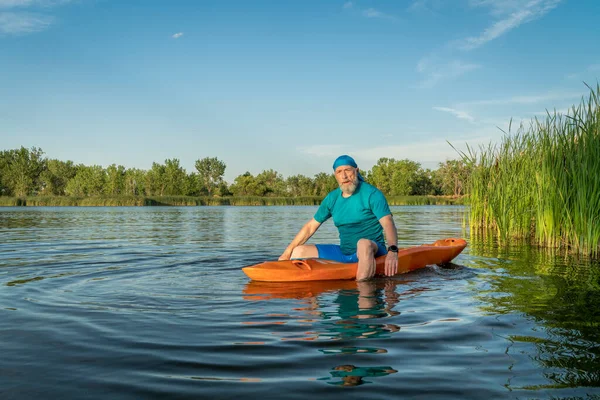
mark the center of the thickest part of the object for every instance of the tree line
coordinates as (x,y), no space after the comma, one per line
(26,172)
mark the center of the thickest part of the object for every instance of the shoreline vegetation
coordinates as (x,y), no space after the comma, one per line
(539,185)
(134,201)
(542,184)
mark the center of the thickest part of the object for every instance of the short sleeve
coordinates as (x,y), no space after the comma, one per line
(379,204)
(324,211)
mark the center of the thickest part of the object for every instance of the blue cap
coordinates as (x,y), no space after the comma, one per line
(346,160)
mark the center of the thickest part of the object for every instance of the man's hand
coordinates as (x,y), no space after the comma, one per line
(391,263)
(285,256)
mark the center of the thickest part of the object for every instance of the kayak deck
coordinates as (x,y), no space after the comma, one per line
(317,269)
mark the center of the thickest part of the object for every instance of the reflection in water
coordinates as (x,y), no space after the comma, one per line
(147,303)
(351,375)
(354,309)
(558,292)
(339,309)
(342,311)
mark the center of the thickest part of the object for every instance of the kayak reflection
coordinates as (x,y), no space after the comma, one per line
(351,375)
(340,310)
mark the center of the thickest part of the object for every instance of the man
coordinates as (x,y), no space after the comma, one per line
(361,214)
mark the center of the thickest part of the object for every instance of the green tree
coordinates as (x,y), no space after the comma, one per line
(300,185)
(115,180)
(21,169)
(192,185)
(155,180)
(175,178)
(210,172)
(395,178)
(324,183)
(54,179)
(246,185)
(271,183)
(134,182)
(88,181)
(423,184)
(452,177)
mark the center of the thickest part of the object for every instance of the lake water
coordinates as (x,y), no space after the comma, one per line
(139,303)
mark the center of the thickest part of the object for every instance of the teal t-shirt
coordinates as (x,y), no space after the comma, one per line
(356,217)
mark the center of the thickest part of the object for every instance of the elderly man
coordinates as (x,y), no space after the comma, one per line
(361,214)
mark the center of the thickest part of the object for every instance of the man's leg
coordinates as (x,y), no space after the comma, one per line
(305,251)
(365,251)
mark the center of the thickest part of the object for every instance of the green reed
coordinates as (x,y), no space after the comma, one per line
(103,201)
(424,200)
(542,184)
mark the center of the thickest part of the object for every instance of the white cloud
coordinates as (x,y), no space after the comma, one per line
(436,72)
(23,23)
(177,35)
(594,68)
(373,13)
(530,99)
(367,12)
(428,152)
(418,5)
(17,19)
(544,113)
(511,14)
(30,3)
(324,150)
(457,113)
(15,3)
(431,6)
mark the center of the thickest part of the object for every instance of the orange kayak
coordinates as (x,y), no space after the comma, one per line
(317,269)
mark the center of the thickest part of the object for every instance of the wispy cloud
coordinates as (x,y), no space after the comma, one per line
(19,17)
(22,23)
(15,3)
(427,5)
(436,72)
(523,100)
(325,150)
(510,14)
(177,35)
(367,12)
(457,113)
(594,68)
(30,3)
(429,153)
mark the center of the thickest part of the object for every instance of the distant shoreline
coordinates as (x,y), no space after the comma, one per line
(149,201)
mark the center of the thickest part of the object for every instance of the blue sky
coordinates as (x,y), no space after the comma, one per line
(285,85)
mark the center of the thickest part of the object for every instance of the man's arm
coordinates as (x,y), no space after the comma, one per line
(391,235)
(303,235)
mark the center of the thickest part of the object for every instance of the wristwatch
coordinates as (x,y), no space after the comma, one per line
(393,248)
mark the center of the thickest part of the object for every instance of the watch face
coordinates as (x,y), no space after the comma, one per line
(393,248)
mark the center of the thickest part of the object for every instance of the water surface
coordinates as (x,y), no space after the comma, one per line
(151,303)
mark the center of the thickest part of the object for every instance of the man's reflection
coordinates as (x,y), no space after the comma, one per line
(351,375)
(340,309)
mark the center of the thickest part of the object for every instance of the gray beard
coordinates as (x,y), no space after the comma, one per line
(349,188)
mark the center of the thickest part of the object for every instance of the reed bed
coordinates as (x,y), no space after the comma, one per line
(542,184)
(424,200)
(103,201)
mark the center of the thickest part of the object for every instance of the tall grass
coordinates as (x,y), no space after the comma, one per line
(542,184)
(100,201)
(424,200)
(52,201)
